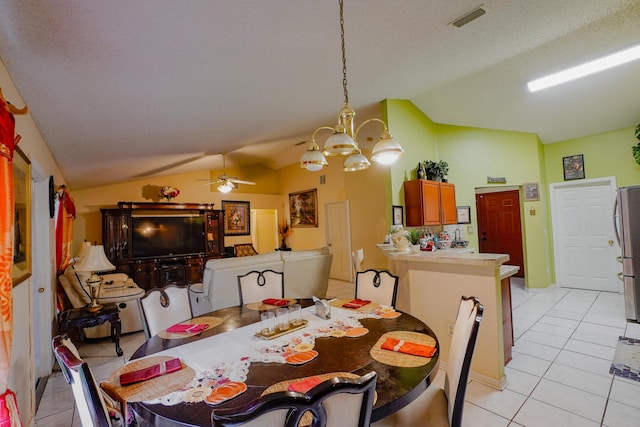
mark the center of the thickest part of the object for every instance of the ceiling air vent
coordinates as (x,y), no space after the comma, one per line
(471,16)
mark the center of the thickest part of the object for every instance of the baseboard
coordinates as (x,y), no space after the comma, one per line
(483,379)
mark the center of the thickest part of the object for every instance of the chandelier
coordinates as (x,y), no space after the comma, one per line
(343,140)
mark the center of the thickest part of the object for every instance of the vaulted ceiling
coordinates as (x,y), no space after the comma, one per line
(127,89)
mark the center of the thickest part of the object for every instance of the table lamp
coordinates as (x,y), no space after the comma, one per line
(94,261)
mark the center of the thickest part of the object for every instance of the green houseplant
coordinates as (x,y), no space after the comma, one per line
(636,148)
(436,170)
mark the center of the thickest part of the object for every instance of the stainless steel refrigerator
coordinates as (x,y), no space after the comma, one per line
(627,226)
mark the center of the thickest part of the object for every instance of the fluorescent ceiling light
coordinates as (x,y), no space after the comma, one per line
(591,67)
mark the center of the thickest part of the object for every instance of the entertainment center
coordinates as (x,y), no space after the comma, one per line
(159,244)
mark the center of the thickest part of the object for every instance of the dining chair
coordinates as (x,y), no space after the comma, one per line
(164,307)
(438,406)
(245,249)
(259,285)
(89,398)
(378,286)
(336,402)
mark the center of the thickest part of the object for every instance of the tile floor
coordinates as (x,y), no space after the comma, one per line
(559,375)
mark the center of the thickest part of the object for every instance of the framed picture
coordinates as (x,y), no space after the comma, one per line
(464,214)
(397,215)
(303,208)
(531,191)
(573,167)
(237,216)
(21,264)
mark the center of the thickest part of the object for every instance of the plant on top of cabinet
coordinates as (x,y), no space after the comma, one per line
(636,148)
(435,171)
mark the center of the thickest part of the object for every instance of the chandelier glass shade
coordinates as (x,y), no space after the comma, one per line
(225,187)
(343,140)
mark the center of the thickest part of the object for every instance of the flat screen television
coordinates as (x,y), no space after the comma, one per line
(158,236)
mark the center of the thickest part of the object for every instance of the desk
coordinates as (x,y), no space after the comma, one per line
(83,318)
(396,386)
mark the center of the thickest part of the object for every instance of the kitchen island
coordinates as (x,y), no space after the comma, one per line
(430,287)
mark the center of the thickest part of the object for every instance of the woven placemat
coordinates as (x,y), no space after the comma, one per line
(284,386)
(153,388)
(211,322)
(260,306)
(340,302)
(400,359)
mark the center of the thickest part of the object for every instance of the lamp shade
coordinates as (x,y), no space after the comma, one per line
(313,160)
(387,150)
(356,162)
(339,143)
(226,187)
(96,260)
(84,249)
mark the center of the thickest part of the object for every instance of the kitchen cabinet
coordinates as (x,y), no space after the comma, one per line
(429,203)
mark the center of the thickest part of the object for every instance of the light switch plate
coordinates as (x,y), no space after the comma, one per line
(469,229)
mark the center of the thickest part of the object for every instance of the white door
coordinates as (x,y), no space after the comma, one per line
(339,239)
(583,235)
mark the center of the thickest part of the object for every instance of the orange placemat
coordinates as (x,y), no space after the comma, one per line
(260,306)
(400,359)
(211,322)
(340,302)
(153,388)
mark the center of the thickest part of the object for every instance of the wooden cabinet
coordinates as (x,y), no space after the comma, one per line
(160,270)
(429,203)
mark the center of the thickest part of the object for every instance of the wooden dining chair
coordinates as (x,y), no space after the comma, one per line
(259,285)
(443,407)
(336,402)
(377,286)
(90,402)
(164,307)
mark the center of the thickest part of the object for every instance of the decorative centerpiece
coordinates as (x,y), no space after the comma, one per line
(168,192)
(401,239)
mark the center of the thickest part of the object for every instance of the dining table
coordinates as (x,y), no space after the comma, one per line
(233,353)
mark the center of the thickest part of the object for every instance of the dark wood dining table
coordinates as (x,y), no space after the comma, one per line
(396,386)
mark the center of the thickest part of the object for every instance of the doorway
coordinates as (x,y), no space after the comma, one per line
(264,230)
(339,239)
(583,236)
(500,225)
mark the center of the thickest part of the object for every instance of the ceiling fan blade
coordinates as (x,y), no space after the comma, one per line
(239,181)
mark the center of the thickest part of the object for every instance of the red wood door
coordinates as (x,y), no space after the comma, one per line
(499,226)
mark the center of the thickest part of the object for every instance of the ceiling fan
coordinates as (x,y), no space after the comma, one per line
(225,182)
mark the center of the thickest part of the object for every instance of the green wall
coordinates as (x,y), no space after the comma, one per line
(605,154)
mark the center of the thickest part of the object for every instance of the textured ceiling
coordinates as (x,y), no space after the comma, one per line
(122,90)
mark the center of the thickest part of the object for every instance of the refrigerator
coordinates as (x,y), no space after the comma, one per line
(627,226)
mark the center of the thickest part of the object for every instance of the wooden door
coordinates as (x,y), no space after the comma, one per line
(499,226)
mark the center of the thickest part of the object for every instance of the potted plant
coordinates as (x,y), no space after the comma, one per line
(414,235)
(436,170)
(636,148)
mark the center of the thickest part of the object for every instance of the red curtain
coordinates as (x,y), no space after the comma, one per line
(64,230)
(8,410)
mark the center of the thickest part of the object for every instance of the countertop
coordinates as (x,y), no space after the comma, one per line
(447,256)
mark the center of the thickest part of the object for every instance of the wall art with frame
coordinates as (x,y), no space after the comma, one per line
(464,214)
(397,215)
(531,191)
(303,208)
(237,217)
(573,167)
(21,263)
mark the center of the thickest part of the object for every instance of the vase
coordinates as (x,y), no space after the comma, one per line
(168,198)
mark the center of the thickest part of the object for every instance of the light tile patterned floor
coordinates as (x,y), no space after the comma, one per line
(559,375)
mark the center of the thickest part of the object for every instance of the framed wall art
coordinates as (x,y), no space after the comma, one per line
(21,263)
(237,216)
(303,208)
(464,214)
(531,191)
(397,215)
(573,167)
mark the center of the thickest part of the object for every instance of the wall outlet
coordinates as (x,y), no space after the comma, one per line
(450,327)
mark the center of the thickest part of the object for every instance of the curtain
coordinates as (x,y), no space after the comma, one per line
(64,230)
(8,410)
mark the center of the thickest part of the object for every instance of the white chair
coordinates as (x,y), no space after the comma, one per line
(164,307)
(337,402)
(90,402)
(377,286)
(259,285)
(443,407)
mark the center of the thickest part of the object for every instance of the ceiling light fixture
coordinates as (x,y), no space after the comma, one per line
(343,140)
(588,68)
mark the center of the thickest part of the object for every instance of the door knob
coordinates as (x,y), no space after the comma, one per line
(41,290)
(610,242)
(484,236)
